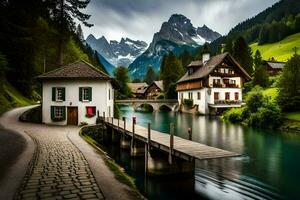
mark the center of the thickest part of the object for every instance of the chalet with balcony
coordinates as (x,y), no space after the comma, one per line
(212,84)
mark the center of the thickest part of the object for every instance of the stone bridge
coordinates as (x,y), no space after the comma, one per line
(156,104)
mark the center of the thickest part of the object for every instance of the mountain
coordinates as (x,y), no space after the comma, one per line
(269,26)
(108,67)
(117,53)
(177,34)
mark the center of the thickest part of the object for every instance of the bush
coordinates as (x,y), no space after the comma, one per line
(255,99)
(233,115)
(161,96)
(188,102)
(259,111)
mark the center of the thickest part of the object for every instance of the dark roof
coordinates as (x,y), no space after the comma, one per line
(77,70)
(206,68)
(276,65)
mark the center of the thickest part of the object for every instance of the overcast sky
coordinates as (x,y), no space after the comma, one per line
(140,19)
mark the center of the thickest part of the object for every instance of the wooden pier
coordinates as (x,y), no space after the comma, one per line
(173,145)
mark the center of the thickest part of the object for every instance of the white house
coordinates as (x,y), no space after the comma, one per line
(75,93)
(213,83)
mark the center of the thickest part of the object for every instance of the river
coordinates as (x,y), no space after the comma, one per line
(269,167)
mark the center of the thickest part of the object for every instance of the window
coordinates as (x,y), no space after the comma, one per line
(190,71)
(108,94)
(90,111)
(181,95)
(58,113)
(216,95)
(231,71)
(58,94)
(199,95)
(227,95)
(217,81)
(190,95)
(236,96)
(85,94)
(232,82)
(226,71)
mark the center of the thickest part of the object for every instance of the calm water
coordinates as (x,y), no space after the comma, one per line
(268,169)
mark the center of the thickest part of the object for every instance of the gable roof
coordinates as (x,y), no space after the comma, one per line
(77,70)
(159,84)
(204,69)
(275,65)
(138,88)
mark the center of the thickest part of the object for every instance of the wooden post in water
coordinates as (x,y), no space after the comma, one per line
(124,119)
(190,132)
(147,148)
(171,142)
(132,140)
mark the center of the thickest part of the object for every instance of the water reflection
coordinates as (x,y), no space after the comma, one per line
(268,169)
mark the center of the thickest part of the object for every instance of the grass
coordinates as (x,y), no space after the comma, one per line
(119,172)
(293,116)
(11,98)
(281,51)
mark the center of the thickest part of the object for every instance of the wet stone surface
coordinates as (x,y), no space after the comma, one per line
(58,171)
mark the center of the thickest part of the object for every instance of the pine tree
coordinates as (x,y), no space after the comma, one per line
(260,76)
(121,76)
(171,71)
(65,11)
(228,46)
(242,53)
(79,33)
(289,87)
(186,58)
(257,59)
(150,75)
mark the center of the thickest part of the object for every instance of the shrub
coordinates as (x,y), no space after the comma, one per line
(255,99)
(161,96)
(188,102)
(233,115)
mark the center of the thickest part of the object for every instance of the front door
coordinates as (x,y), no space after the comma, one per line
(72,116)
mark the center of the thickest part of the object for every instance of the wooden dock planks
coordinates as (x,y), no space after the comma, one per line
(184,146)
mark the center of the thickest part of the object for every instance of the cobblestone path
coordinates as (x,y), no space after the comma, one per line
(58,171)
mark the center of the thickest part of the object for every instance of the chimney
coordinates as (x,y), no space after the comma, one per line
(205,57)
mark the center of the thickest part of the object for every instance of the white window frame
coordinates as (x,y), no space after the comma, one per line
(59,94)
(58,112)
(85,89)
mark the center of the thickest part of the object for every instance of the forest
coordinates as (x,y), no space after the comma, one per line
(37,36)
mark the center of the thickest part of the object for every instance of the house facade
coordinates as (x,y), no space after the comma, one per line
(212,84)
(138,89)
(75,93)
(154,90)
(273,67)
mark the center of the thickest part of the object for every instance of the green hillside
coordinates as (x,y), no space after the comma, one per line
(281,50)
(11,98)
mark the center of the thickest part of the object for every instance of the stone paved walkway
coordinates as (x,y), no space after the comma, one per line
(59,170)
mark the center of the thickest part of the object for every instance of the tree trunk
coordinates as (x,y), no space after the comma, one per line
(61,40)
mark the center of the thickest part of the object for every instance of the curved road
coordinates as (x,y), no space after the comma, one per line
(41,162)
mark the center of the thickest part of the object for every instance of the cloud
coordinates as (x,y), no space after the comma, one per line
(140,19)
